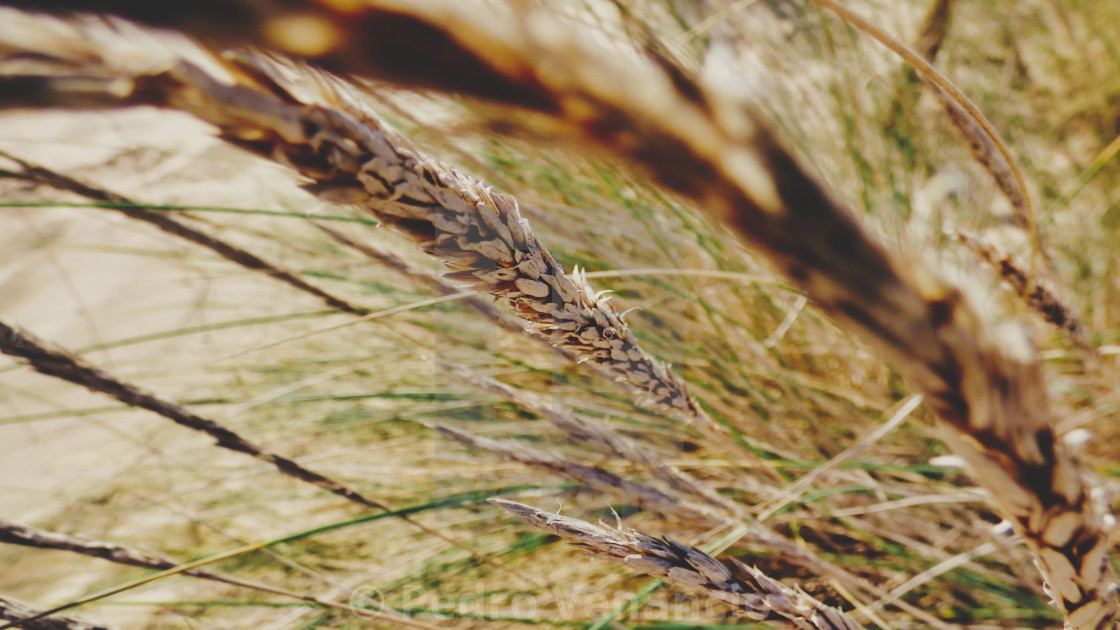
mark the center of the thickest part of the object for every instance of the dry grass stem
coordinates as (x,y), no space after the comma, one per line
(16,534)
(985,142)
(57,362)
(743,587)
(597,478)
(237,255)
(591,431)
(1038,297)
(23,616)
(935,26)
(793,491)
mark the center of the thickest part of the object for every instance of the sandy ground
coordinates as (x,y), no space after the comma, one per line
(73,276)
(67,275)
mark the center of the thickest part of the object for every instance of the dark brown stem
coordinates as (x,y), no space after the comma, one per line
(54,361)
(47,177)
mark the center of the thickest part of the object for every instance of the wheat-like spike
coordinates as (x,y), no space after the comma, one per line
(654,499)
(16,534)
(503,319)
(24,536)
(52,360)
(1038,296)
(24,615)
(318,128)
(986,153)
(392,261)
(476,231)
(746,588)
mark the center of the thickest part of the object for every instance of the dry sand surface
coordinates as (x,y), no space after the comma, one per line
(82,276)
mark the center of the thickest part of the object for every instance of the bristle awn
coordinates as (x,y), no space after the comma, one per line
(754,594)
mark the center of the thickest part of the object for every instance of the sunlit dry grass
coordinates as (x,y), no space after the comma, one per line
(893,536)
